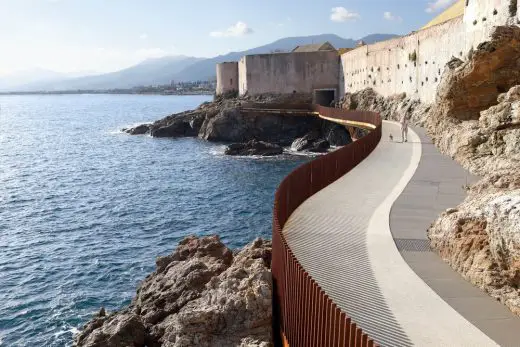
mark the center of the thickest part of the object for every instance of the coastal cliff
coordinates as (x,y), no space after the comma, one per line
(476,121)
(203,294)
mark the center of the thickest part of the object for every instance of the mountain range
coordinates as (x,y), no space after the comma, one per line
(163,70)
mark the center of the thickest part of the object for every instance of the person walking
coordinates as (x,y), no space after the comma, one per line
(404,128)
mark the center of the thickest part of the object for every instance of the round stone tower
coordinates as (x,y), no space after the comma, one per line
(227,77)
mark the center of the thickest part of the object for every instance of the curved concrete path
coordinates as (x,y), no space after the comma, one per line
(342,237)
(437,185)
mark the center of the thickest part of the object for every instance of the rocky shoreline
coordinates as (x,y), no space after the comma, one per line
(250,133)
(203,294)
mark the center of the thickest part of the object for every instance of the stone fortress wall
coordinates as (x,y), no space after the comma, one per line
(227,77)
(413,64)
(298,72)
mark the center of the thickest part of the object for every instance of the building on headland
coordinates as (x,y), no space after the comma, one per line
(412,64)
(227,77)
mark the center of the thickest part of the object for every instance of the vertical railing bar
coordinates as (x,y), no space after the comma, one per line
(307,315)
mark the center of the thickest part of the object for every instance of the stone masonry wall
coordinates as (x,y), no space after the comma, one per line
(414,63)
(287,73)
(411,64)
(227,77)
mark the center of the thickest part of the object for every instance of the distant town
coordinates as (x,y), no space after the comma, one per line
(174,88)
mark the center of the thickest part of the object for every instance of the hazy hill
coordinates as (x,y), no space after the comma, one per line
(206,68)
(179,68)
(149,72)
(37,75)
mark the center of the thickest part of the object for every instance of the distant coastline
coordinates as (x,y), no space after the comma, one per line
(116,91)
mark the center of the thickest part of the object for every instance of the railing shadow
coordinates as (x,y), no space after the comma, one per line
(304,314)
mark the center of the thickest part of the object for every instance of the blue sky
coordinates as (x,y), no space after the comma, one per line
(106,35)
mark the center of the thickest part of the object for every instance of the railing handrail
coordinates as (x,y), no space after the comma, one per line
(304,314)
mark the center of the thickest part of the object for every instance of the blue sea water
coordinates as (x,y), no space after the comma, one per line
(86,209)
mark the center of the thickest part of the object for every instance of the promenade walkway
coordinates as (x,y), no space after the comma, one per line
(342,237)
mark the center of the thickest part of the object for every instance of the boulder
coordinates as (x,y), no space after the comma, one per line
(312,142)
(121,330)
(306,141)
(228,125)
(138,130)
(179,126)
(254,148)
(337,135)
(319,146)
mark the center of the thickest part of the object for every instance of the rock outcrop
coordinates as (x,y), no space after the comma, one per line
(336,135)
(254,147)
(233,125)
(249,131)
(195,122)
(489,144)
(491,69)
(481,238)
(391,108)
(311,142)
(200,295)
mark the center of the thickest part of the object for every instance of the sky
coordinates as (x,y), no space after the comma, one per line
(95,36)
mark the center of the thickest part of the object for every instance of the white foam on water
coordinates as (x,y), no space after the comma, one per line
(218,150)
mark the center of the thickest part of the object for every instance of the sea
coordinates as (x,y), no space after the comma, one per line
(85,208)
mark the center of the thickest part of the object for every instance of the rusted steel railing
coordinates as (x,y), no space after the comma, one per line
(303,313)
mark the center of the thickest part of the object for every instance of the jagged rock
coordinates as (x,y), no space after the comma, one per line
(232,125)
(121,330)
(179,126)
(391,108)
(254,148)
(311,142)
(475,85)
(337,135)
(487,145)
(306,141)
(454,63)
(200,295)
(138,130)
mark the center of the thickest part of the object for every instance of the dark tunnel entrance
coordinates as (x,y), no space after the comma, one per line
(324,97)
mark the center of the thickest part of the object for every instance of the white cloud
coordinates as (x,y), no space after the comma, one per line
(391,17)
(143,36)
(341,14)
(438,5)
(239,29)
